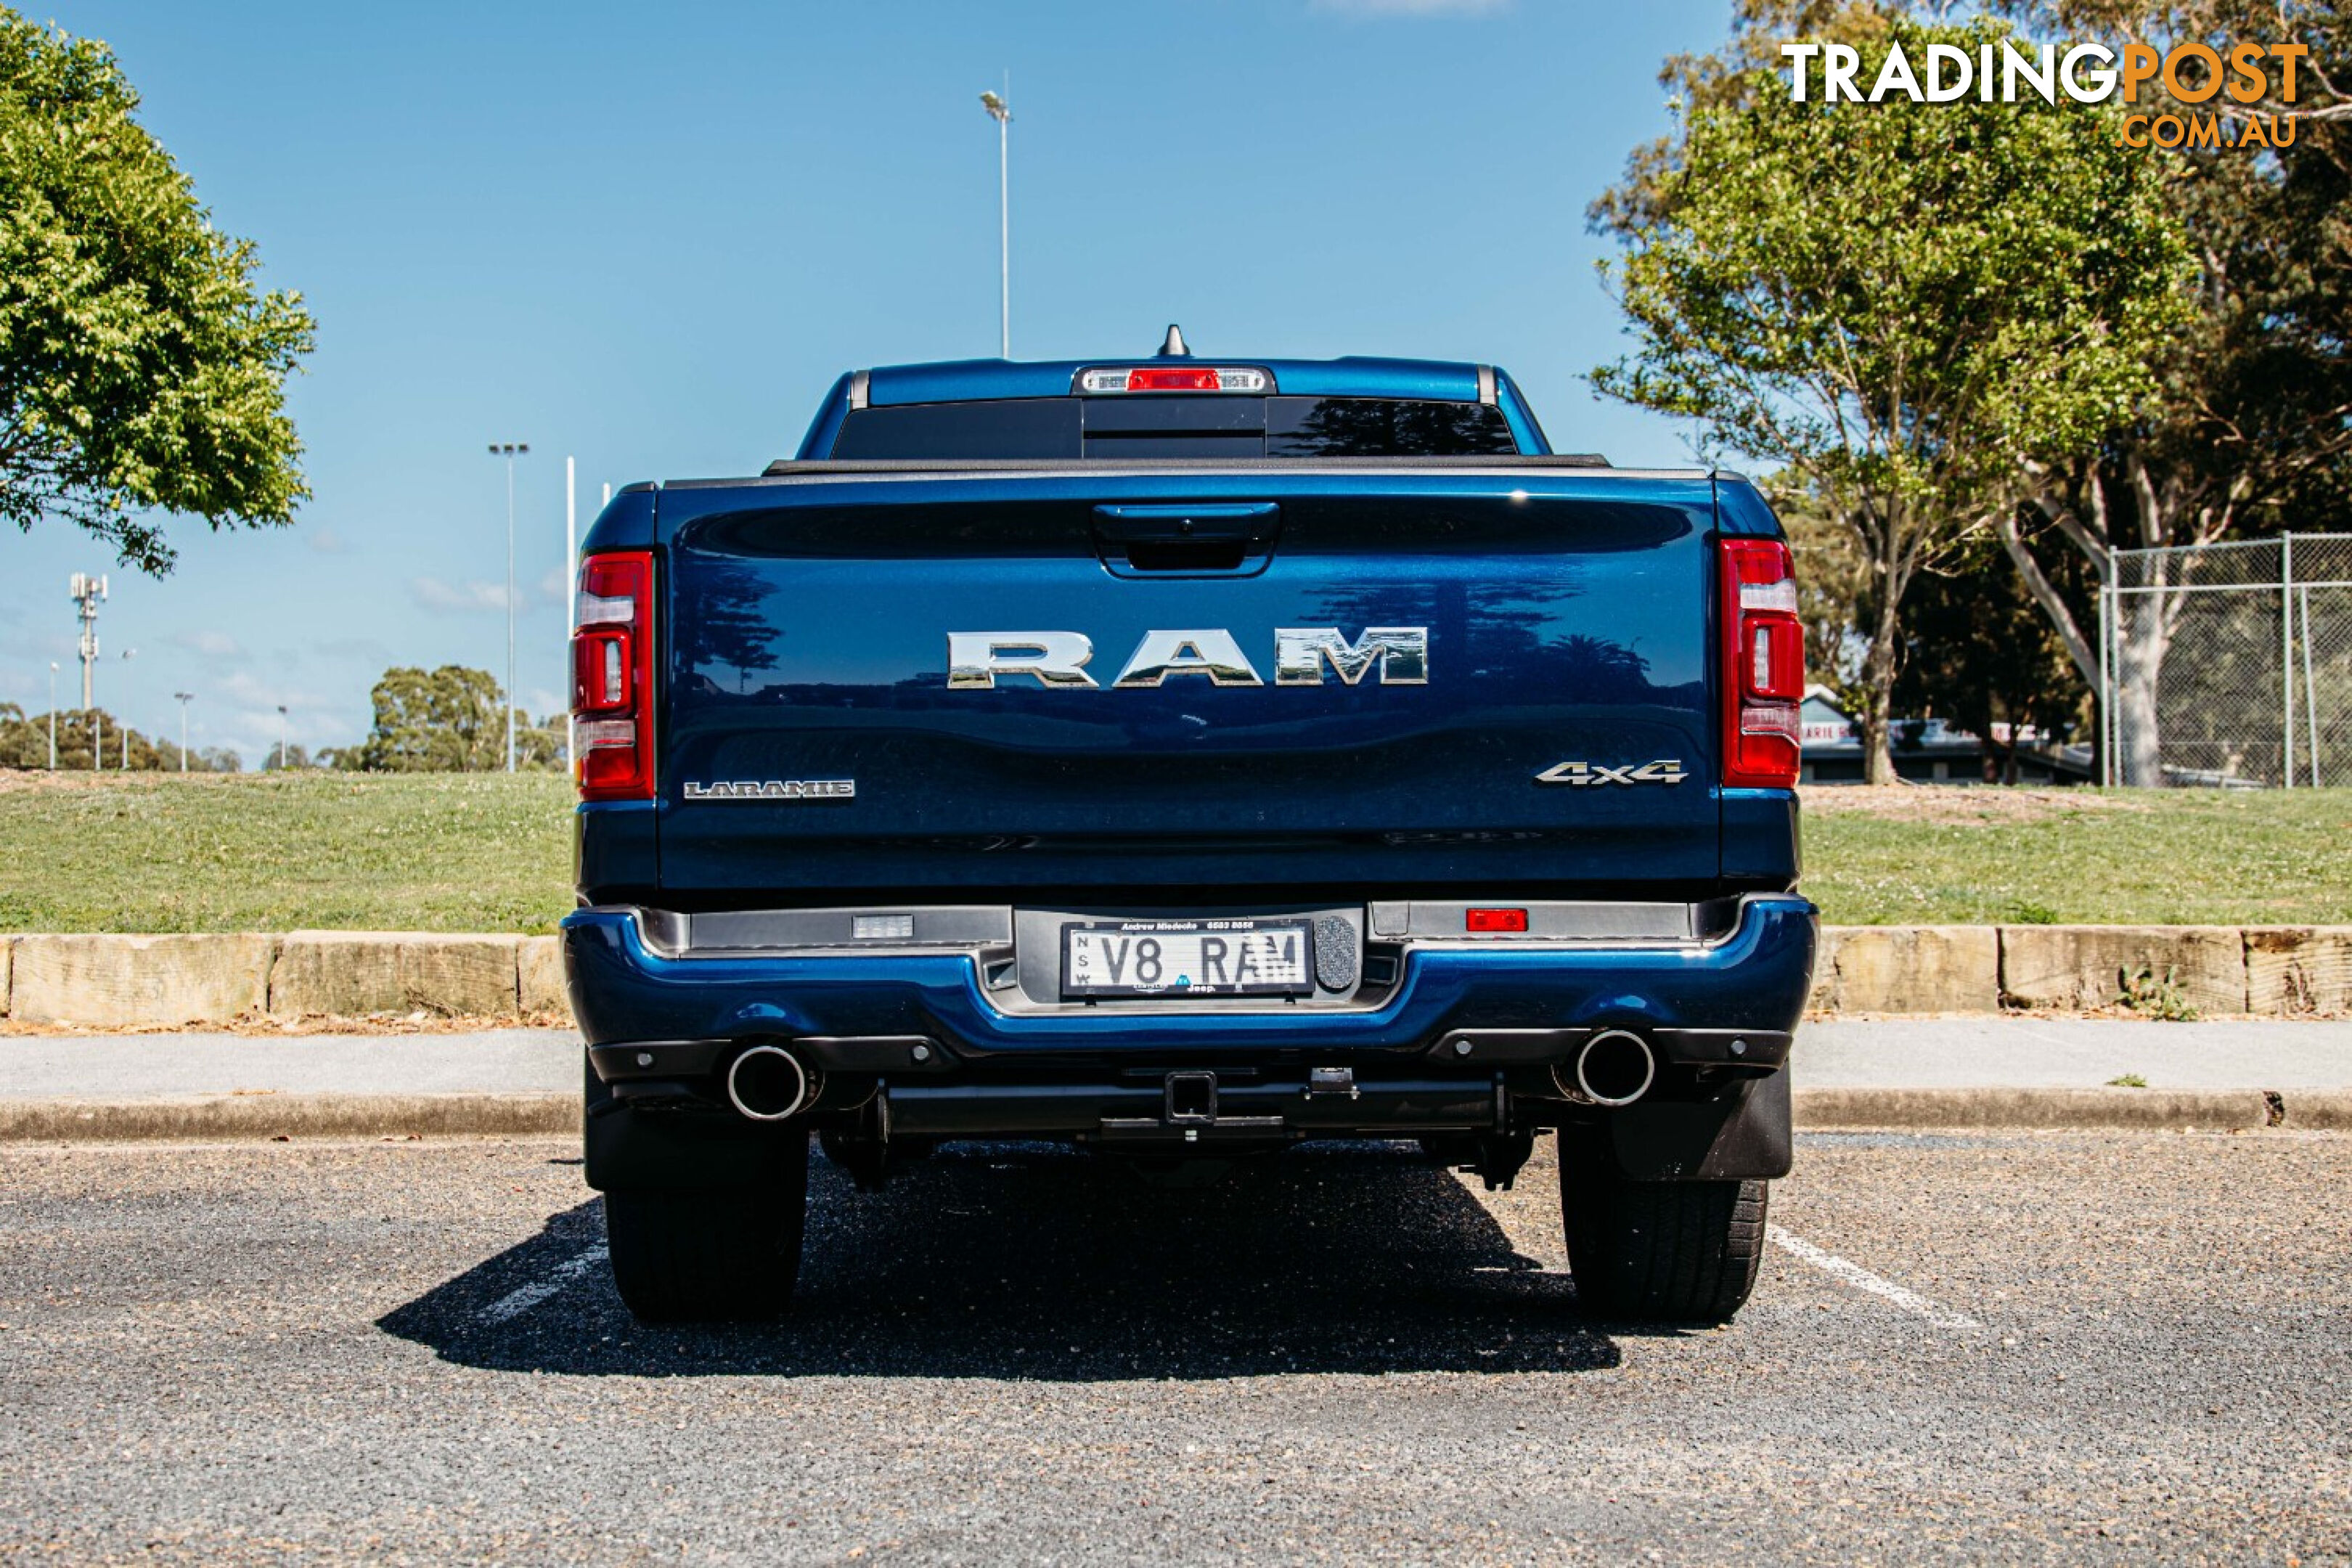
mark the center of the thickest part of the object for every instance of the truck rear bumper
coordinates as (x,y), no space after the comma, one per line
(1476,1042)
(1472,1006)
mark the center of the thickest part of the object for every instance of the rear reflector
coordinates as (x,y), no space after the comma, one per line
(1175,378)
(613,677)
(1494,920)
(1763,666)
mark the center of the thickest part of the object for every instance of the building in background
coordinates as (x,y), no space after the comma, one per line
(1929,751)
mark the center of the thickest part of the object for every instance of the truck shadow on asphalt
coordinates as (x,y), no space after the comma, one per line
(1037,1263)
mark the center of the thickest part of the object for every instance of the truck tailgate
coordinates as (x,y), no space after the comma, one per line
(815,745)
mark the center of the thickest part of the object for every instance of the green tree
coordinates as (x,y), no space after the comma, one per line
(24,743)
(447,720)
(1979,654)
(1906,306)
(141,367)
(2251,430)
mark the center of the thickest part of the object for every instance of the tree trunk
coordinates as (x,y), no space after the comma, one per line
(1878,685)
(2141,644)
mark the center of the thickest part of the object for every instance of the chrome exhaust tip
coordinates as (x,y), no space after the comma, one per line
(1616,1067)
(768,1083)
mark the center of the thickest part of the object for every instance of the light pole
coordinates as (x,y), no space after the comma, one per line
(53,715)
(570,581)
(125,725)
(281,737)
(1001,113)
(184,697)
(510,450)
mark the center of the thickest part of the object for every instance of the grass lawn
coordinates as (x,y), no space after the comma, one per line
(484,852)
(156,852)
(1918,855)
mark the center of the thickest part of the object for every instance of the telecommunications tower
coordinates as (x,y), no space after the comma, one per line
(88,593)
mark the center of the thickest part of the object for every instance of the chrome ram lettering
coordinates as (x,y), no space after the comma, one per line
(1213,653)
(773,789)
(1403,653)
(1058,659)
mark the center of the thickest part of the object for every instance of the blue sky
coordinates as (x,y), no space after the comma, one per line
(649,237)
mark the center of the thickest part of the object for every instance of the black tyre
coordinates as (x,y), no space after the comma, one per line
(1675,1252)
(731,1256)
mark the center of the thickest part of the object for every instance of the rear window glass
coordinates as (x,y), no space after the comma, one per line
(1176,426)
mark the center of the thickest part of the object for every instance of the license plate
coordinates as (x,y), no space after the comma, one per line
(1188,958)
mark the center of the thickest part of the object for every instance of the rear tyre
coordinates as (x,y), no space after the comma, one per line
(1674,1252)
(729,1256)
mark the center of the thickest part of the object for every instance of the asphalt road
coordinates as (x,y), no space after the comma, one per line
(2090,1347)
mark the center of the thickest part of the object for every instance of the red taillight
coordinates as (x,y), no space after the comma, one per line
(1764,665)
(1152,380)
(1494,919)
(1175,378)
(613,677)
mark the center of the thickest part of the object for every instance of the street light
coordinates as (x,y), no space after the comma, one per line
(53,715)
(126,703)
(281,737)
(1001,113)
(510,450)
(184,697)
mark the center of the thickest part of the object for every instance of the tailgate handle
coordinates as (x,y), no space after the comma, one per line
(1221,522)
(1213,539)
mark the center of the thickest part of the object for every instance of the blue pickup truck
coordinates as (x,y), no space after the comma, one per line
(1183,759)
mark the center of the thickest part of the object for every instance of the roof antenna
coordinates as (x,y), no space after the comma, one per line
(1172,346)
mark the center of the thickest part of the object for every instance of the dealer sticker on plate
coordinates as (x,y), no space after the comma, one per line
(1236,957)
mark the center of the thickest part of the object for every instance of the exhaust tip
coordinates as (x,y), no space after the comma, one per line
(767,1083)
(1616,1067)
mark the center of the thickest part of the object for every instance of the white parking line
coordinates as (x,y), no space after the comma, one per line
(517,1301)
(1862,1278)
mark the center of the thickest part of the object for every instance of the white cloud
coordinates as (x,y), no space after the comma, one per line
(327,542)
(460,598)
(367,650)
(1409,7)
(211,644)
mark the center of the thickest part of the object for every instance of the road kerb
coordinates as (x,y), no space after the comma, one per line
(252,1116)
(2219,1109)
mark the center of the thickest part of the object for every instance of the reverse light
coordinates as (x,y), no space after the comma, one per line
(1175,378)
(613,677)
(1494,920)
(1764,665)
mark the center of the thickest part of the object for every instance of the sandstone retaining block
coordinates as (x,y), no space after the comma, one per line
(119,981)
(2092,966)
(352,974)
(1907,968)
(539,973)
(2298,969)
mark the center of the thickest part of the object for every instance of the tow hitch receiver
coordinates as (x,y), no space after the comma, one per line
(1191,1097)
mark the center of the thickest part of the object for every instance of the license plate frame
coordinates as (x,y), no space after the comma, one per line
(1214,944)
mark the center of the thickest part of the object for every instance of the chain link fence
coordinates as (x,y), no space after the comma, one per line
(2228,664)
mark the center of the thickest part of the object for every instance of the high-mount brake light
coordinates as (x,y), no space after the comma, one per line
(1763,665)
(1494,919)
(613,675)
(1175,378)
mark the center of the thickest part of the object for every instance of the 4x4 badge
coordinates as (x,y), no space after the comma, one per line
(1667,771)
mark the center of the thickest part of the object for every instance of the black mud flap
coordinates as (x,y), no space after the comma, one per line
(673,1151)
(1743,1133)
